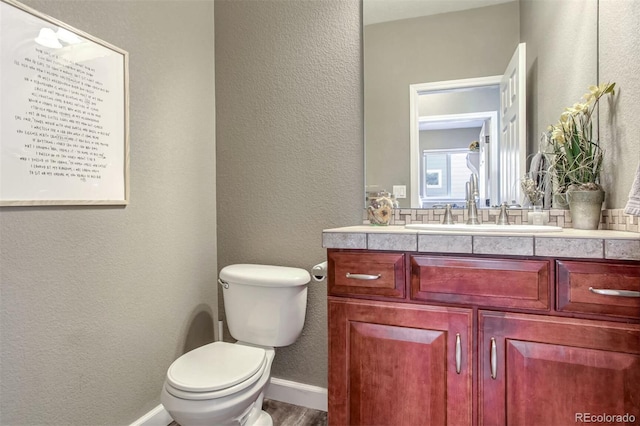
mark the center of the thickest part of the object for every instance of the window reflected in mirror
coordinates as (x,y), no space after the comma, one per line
(444,175)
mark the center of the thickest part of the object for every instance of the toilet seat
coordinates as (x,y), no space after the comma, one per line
(215,370)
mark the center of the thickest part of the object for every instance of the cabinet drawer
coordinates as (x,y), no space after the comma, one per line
(523,284)
(579,285)
(366,274)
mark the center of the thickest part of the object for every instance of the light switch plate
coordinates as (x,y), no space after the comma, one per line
(400,191)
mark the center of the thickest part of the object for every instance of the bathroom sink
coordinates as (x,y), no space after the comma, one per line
(486,227)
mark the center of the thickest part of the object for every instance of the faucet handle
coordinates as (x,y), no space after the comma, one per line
(503,219)
(448,216)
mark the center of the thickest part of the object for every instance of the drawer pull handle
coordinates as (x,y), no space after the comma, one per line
(621,293)
(362,276)
(458,353)
(494,358)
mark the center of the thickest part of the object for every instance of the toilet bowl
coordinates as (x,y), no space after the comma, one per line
(223,383)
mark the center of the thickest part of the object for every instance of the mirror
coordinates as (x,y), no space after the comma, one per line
(425,42)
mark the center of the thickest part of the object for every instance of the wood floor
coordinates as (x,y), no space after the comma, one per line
(284,414)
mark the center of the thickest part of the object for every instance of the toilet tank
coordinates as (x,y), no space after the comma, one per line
(264,304)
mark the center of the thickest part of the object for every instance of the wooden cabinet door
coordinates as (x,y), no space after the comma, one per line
(393,364)
(556,371)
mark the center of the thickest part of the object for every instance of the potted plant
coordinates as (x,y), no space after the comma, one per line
(578,157)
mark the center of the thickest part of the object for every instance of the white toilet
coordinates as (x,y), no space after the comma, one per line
(223,383)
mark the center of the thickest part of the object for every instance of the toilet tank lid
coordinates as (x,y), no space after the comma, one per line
(265,275)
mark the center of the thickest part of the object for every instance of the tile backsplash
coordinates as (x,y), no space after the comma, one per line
(611,219)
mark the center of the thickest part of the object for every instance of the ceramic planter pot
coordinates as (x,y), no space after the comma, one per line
(586,208)
(559,201)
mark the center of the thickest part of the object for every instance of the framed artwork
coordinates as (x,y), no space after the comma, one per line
(64,117)
(433,178)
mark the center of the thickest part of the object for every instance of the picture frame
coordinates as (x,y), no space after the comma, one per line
(433,178)
(64,121)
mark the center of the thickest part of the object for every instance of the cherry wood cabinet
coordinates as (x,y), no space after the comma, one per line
(581,286)
(367,274)
(540,370)
(399,365)
(507,283)
(532,343)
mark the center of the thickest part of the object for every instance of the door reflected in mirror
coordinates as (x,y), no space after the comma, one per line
(466,114)
(457,129)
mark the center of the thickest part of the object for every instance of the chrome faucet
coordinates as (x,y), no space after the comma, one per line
(472,206)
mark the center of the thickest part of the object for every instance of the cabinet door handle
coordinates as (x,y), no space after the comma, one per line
(362,276)
(458,353)
(620,293)
(494,358)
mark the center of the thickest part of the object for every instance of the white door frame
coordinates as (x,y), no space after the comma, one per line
(415,90)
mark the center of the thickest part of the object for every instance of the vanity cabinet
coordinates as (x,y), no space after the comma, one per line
(480,339)
(541,370)
(583,287)
(399,365)
(504,283)
(381,275)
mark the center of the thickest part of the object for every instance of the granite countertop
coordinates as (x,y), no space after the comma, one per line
(575,243)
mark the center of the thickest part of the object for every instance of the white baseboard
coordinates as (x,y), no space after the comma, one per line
(279,389)
(156,417)
(297,393)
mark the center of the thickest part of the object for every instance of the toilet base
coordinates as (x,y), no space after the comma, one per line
(264,420)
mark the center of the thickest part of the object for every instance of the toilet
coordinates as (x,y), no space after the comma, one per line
(223,383)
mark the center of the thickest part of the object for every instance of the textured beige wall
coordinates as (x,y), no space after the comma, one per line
(620,127)
(289,145)
(562,61)
(448,139)
(558,76)
(460,102)
(98,301)
(466,44)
